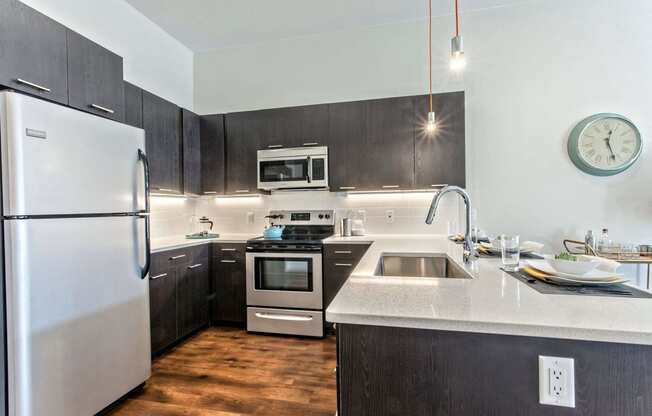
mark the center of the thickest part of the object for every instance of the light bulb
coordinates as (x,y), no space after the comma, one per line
(458,60)
(432,123)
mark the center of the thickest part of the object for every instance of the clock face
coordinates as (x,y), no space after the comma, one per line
(605,144)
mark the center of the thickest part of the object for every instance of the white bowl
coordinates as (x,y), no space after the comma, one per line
(577,268)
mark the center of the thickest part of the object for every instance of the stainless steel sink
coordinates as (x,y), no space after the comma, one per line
(419,265)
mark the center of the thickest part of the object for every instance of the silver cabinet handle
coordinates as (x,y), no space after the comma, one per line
(274,146)
(311,144)
(99,107)
(347,188)
(227,249)
(242,191)
(343,264)
(209,192)
(391,186)
(343,252)
(180,256)
(165,189)
(194,266)
(439,185)
(283,317)
(31,84)
(158,276)
(227,261)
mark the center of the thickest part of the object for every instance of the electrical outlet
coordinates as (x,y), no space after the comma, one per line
(557,381)
(389,216)
(250,217)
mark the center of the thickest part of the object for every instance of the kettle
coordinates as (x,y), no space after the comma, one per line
(274,231)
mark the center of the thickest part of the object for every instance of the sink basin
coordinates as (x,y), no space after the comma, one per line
(419,265)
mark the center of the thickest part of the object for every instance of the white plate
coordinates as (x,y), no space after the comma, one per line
(587,282)
(494,250)
(592,276)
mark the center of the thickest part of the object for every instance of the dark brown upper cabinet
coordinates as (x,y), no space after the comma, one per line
(243,132)
(33,55)
(439,156)
(313,125)
(133,105)
(191,153)
(162,123)
(291,127)
(95,78)
(212,154)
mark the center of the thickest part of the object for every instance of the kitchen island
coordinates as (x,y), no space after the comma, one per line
(424,346)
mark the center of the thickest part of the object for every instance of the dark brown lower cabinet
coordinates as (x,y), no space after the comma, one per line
(162,303)
(229,285)
(339,262)
(178,294)
(385,371)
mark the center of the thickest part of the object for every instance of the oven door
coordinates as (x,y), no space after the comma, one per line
(287,172)
(284,280)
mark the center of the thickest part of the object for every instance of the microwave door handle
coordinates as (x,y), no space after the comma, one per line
(142,157)
(308,178)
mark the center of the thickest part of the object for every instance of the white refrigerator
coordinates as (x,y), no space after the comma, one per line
(76,256)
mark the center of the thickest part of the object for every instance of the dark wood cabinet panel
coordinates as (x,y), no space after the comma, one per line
(95,78)
(133,105)
(339,262)
(314,126)
(440,156)
(348,148)
(243,131)
(212,154)
(438,369)
(191,153)
(33,53)
(162,302)
(229,285)
(193,297)
(162,123)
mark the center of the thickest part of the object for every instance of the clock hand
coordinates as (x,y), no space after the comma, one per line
(608,142)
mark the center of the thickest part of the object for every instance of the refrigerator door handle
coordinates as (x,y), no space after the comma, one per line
(142,157)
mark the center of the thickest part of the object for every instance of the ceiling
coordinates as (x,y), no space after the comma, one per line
(204,25)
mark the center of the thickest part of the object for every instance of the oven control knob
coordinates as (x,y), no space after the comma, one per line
(321,216)
(328,216)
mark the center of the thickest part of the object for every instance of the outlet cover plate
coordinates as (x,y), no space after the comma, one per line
(557,381)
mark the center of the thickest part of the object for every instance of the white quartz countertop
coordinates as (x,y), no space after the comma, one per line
(180,241)
(492,302)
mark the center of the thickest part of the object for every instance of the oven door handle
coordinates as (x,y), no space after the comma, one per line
(309,173)
(277,317)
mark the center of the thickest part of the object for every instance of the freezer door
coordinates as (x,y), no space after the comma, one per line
(56,160)
(78,335)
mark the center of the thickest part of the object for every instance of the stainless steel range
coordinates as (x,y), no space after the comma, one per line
(284,275)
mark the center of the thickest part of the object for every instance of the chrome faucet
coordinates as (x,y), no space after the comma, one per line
(470,252)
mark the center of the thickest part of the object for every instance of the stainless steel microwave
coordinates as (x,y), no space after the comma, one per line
(293,168)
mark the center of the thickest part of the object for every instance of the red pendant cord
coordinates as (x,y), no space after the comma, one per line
(457,19)
(430,49)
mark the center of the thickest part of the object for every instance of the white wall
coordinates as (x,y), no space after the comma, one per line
(153,59)
(535,69)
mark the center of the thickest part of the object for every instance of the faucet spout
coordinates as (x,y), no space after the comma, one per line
(470,253)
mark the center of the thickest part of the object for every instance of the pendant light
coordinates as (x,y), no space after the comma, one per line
(458,60)
(431,126)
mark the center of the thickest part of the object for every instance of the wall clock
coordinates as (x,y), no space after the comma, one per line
(605,144)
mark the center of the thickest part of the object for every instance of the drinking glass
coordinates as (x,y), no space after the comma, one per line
(511,252)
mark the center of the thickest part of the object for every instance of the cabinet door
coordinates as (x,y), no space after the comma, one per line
(242,131)
(95,78)
(162,305)
(440,156)
(339,262)
(314,126)
(348,148)
(193,296)
(390,143)
(33,55)
(133,105)
(191,153)
(162,122)
(228,276)
(212,154)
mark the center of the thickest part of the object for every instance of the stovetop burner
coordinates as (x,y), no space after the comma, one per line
(303,230)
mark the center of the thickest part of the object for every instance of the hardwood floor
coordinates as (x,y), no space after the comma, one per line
(227,372)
